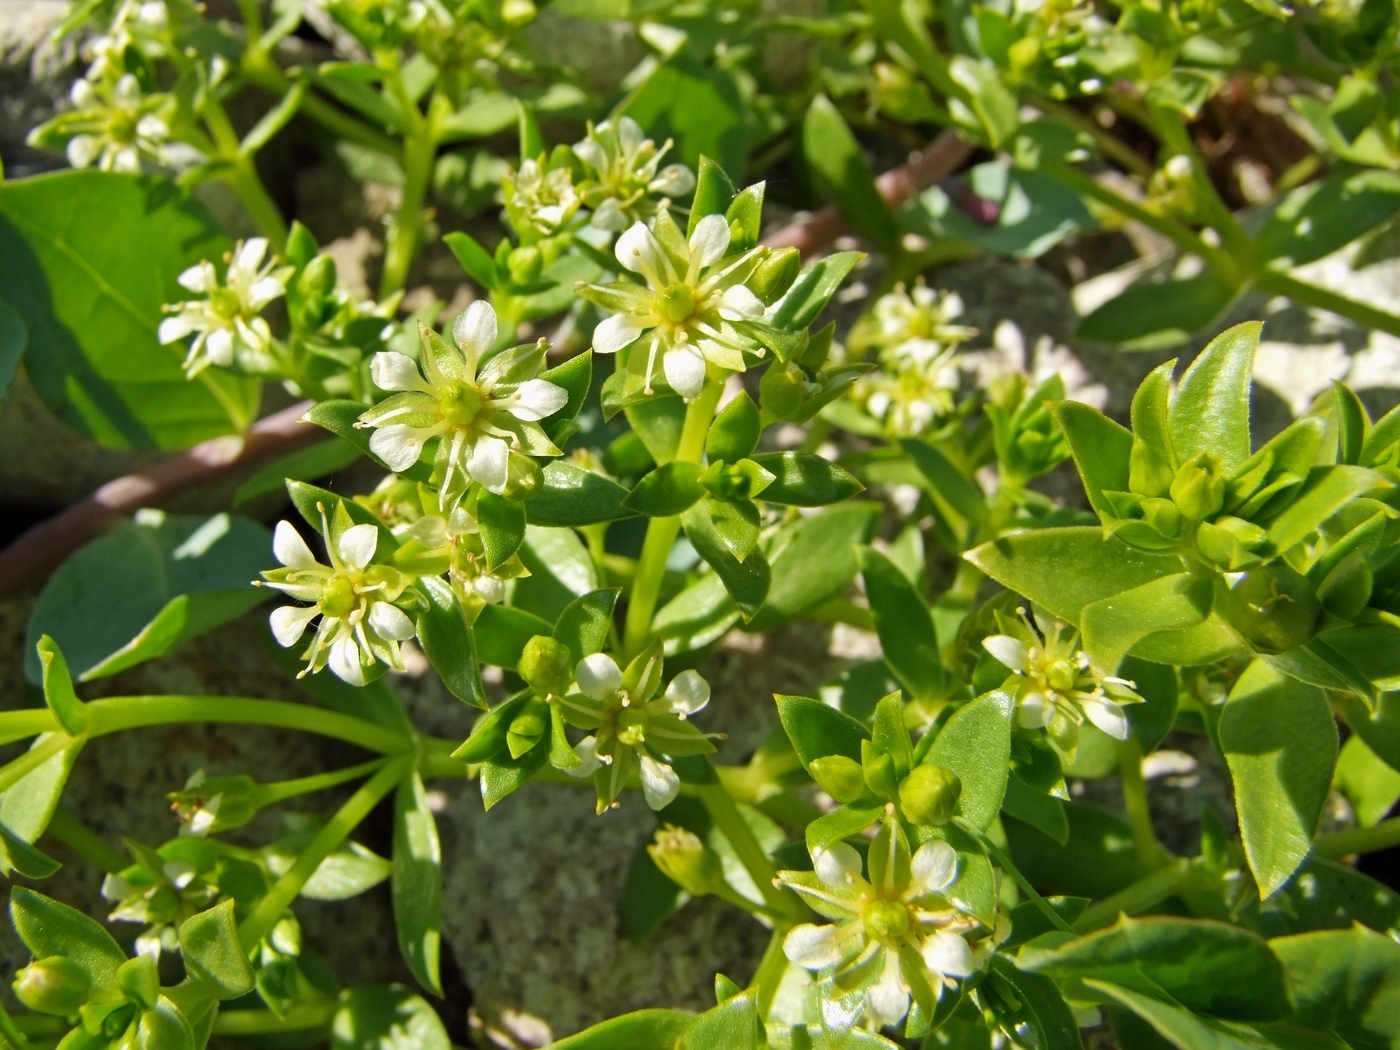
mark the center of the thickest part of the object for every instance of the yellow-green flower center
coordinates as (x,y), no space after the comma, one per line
(225,302)
(676,303)
(339,598)
(631,727)
(886,920)
(460,403)
(1061,675)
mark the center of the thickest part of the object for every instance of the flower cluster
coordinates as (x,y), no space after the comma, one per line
(1054,684)
(625,183)
(227,323)
(694,293)
(896,941)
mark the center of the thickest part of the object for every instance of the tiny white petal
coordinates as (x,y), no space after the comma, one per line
(609,216)
(710,240)
(739,304)
(291,550)
(357,544)
(250,256)
(688,692)
(476,329)
(614,333)
(637,250)
(151,128)
(934,868)
(345,660)
(399,446)
(598,676)
(173,329)
(219,346)
(1011,652)
(264,291)
(685,370)
(1107,716)
(589,762)
(490,589)
(1035,711)
(888,997)
(198,278)
(83,94)
(391,370)
(389,621)
(289,623)
(537,398)
(838,865)
(592,154)
(430,531)
(948,954)
(812,947)
(660,784)
(489,462)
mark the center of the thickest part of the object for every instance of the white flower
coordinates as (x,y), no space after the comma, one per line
(539,199)
(624,174)
(480,414)
(135,24)
(112,126)
(917,327)
(353,597)
(226,322)
(692,298)
(457,537)
(1053,681)
(895,937)
(631,727)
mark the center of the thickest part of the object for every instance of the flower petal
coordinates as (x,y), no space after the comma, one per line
(475,331)
(933,869)
(391,370)
(250,256)
(1035,711)
(345,661)
(710,240)
(356,546)
(289,623)
(838,865)
(598,676)
(219,346)
(537,398)
(174,328)
(812,947)
(948,955)
(685,370)
(638,251)
(740,304)
(660,784)
(888,996)
(1008,651)
(489,462)
(291,550)
(614,333)
(398,445)
(389,621)
(264,291)
(1109,717)
(589,762)
(688,693)
(198,278)
(490,589)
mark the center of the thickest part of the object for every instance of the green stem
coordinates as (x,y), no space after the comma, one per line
(1272,282)
(407,225)
(32,759)
(262,72)
(1135,802)
(261,208)
(298,1018)
(726,816)
(267,794)
(116,714)
(85,842)
(1112,146)
(268,911)
(1384,835)
(1004,862)
(770,971)
(662,532)
(1147,892)
(20,725)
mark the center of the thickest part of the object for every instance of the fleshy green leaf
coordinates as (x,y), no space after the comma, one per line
(976,745)
(1318,218)
(210,948)
(1100,448)
(643,1030)
(417,882)
(1280,743)
(803,480)
(746,581)
(1346,982)
(1180,1028)
(24,857)
(813,561)
(904,625)
(386,1017)
(670,489)
(448,644)
(1036,1007)
(501,633)
(1210,412)
(833,153)
(574,497)
(1157,315)
(817,730)
(58,688)
(13,338)
(732,1025)
(49,928)
(584,624)
(1112,626)
(502,528)
(734,433)
(812,290)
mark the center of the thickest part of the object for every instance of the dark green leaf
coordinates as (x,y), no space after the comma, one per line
(817,730)
(1045,813)
(1033,211)
(146,587)
(976,745)
(904,625)
(584,624)
(574,497)
(1346,982)
(1280,742)
(49,928)
(698,106)
(1100,448)
(1036,1007)
(945,481)
(448,644)
(501,632)
(1098,859)
(833,153)
(1316,219)
(1210,412)
(209,946)
(670,489)
(713,193)
(502,524)
(305,464)
(808,296)
(22,856)
(385,1017)
(813,561)
(1112,626)
(67,245)
(746,581)
(417,885)
(803,480)
(1180,1028)
(734,433)
(13,338)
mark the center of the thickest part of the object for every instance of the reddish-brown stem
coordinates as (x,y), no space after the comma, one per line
(43,548)
(942,157)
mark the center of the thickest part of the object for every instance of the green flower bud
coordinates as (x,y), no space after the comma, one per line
(1273,607)
(528,727)
(840,777)
(318,279)
(880,774)
(1163,515)
(1149,473)
(684,859)
(56,985)
(518,12)
(1199,486)
(929,794)
(525,264)
(775,275)
(546,665)
(1231,543)
(781,391)
(214,804)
